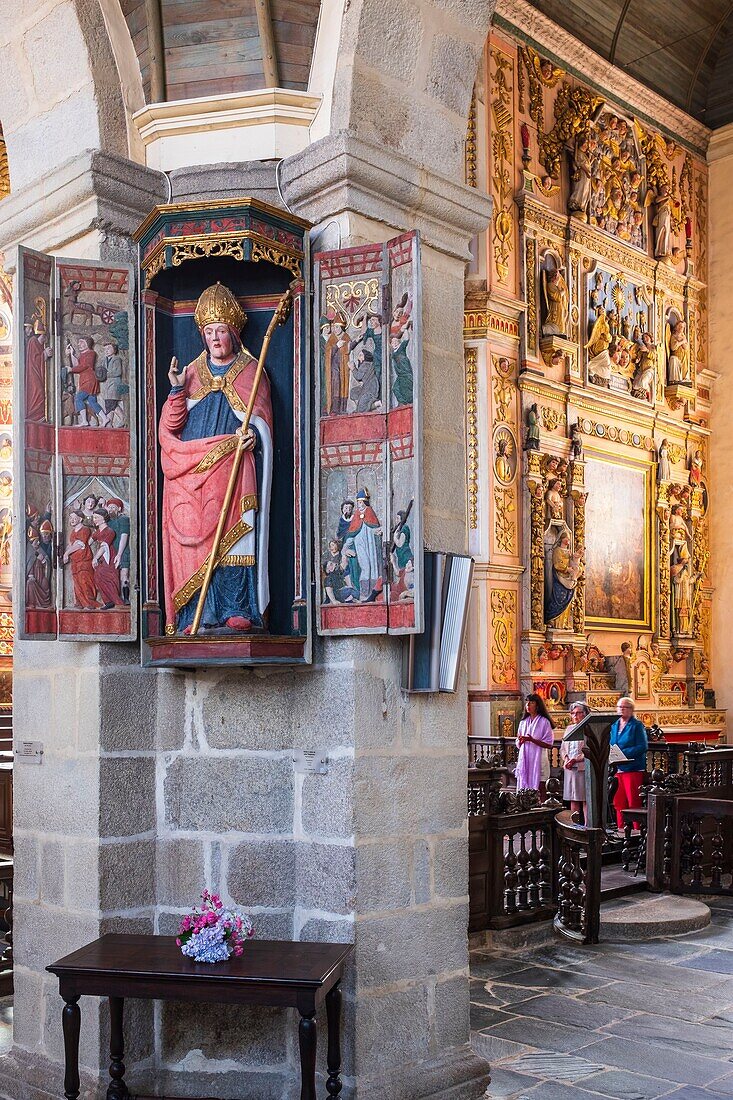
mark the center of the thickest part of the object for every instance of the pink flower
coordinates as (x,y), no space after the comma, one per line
(238,950)
(178,942)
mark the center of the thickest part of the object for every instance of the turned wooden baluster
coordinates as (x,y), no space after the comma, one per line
(577,894)
(626,850)
(544,869)
(716,857)
(696,853)
(533,871)
(522,874)
(685,846)
(510,877)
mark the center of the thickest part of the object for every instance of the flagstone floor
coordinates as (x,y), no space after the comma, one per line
(634,1022)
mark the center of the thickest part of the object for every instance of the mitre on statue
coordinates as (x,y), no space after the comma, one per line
(218,304)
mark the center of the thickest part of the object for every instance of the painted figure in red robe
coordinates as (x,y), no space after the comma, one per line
(37,354)
(78,554)
(106,577)
(197,432)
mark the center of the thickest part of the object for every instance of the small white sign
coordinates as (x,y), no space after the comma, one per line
(29,752)
(310,761)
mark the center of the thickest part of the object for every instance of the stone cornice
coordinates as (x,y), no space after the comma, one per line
(341,173)
(721,144)
(529,23)
(91,191)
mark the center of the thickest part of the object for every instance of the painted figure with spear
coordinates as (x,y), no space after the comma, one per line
(216,441)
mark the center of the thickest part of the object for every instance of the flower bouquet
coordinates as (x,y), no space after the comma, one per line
(213,933)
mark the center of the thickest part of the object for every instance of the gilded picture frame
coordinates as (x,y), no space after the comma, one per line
(619,552)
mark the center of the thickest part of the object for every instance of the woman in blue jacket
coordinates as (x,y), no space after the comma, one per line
(629,734)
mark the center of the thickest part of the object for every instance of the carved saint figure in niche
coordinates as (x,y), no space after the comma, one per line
(664,466)
(663,223)
(644,381)
(554,503)
(502,465)
(566,568)
(532,438)
(576,442)
(555,290)
(599,360)
(678,350)
(581,173)
(696,468)
(684,583)
(37,353)
(198,425)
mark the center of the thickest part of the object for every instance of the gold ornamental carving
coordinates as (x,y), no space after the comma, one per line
(480,322)
(277,256)
(664,574)
(552,418)
(531,287)
(502,149)
(471,144)
(503,397)
(505,512)
(573,110)
(579,500)
(4,169)
(472,435)
(205,249)
(154,267)
(540,74)
(537,556)
(616,435)
(503,637)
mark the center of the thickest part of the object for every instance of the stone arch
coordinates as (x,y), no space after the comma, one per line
(401,74)
(61,92)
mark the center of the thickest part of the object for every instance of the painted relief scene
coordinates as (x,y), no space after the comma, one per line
(95,345)
(38,353)
(368,353)
(95,549)
(621,353)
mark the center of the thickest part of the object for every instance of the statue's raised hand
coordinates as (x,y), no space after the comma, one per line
(176,377)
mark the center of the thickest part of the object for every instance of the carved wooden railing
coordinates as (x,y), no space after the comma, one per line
(578,914)
(512,853)
(669,758)
(701,859)
(708,781)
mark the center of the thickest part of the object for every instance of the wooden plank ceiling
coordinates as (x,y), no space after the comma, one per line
(212,47)
(683,49)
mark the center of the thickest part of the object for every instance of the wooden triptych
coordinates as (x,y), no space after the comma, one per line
(75,465)
(368,385)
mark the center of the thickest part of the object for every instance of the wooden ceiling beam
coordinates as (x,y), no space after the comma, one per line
(704,53)
(267,39)
(617,32)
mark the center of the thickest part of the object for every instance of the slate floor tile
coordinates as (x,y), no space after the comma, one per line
(644,1058)
(504,996)
(558,1090)
(568,1010)
(543,1034)
(488,966)
(542,977)
(690,1092)
(621,1085)
(723,1086)
(693,1006)
(507,1085)
(482,1017)
(720,962)
(648,973)
(699,1039)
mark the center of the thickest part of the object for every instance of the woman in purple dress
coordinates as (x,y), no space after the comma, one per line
(534,738)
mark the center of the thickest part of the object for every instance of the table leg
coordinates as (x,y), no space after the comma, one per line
(71,1023)
(333,1015)
(307,1038)
(117,1088)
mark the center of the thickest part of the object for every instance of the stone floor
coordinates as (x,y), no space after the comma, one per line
(6,1024)
(636,1021)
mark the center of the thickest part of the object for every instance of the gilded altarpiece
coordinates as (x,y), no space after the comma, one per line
(588,396)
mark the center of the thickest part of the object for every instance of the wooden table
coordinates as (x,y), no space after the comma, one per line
(270,972)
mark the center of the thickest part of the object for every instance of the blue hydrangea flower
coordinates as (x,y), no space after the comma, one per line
(208,945)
